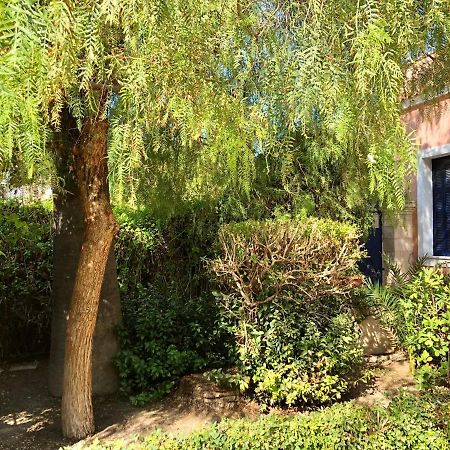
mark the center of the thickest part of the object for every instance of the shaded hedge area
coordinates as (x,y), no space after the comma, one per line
(408,423)
(171,321)
(169,324)
(25,279)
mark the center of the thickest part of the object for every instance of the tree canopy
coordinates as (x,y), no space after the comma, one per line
(210,84)
(335,74)
(164,66)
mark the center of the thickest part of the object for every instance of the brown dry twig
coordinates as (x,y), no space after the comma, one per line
(301,261)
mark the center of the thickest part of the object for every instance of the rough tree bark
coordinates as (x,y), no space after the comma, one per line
(91,171)
(67,241)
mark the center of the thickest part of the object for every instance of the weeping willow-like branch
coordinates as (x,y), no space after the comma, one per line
(213,83)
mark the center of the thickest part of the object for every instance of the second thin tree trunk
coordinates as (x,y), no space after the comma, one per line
(91,171)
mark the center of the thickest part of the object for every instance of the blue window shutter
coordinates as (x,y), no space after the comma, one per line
(441,206)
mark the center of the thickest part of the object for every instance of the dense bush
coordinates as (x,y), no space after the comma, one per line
(138,247)
(408,423)
(170,319)
(166,334)
(301,346)
(292,354)
(284,296)
(417,307)
(25,279)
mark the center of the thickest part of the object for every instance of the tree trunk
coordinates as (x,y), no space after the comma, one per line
(69,230)
(91,172)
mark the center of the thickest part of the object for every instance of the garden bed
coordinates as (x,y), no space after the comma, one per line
(30,417)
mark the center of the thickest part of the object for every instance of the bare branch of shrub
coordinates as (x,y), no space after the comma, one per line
(297,260)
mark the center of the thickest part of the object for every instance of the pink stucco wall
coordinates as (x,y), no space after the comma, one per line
(430,122)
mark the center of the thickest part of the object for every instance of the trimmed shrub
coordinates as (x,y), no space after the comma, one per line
(25,279)
(408,423)
(300,260)
(284,295)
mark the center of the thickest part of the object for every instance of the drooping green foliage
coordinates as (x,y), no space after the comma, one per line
(208,84)
(163,65)
(334,75)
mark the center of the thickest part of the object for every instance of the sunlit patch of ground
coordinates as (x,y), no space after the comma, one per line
(30,417)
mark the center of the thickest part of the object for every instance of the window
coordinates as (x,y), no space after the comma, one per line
(433,204)
(441,206)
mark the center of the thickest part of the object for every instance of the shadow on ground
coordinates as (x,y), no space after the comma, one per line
(30,416)
(392,373)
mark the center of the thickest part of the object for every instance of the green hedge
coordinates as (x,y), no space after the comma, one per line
(408,423)
(25,279)
(296,350)
(170,319)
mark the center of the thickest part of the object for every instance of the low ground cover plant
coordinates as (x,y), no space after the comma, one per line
(284,291)
(408,423)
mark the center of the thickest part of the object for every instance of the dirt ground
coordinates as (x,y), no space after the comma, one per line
(30,417)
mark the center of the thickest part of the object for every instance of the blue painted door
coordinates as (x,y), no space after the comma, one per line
(372,266)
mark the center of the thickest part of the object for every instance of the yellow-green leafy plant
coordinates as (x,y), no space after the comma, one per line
(416,306)
(284,290)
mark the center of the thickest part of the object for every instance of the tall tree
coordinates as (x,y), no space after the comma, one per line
(137,66)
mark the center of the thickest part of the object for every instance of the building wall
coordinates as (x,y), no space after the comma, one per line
(429,123)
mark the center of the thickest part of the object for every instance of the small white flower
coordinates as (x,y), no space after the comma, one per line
(371,158)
